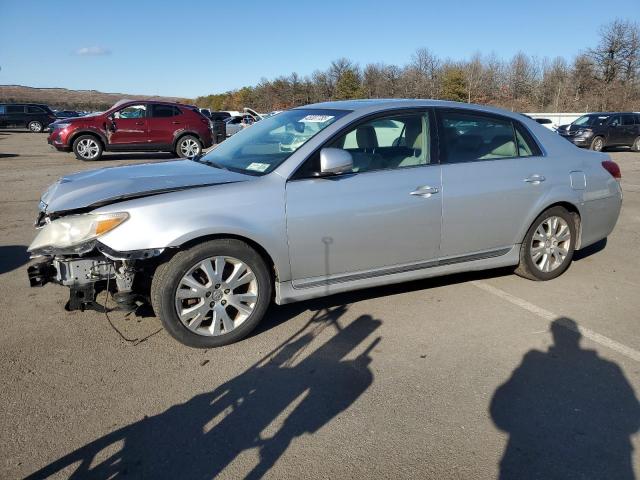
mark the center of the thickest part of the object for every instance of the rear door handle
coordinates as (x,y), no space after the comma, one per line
(535,179)
(424,191)
(139,123)
(177,123)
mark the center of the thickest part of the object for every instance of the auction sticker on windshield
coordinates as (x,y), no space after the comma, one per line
(258,167)
(317,118)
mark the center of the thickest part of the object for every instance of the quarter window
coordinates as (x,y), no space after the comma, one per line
(396,141)
(468,137)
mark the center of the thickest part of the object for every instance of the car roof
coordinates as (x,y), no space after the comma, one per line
(381,104)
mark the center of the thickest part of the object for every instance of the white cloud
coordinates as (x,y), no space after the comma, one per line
(93,51)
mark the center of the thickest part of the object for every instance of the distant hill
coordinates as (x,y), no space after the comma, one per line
(62,98)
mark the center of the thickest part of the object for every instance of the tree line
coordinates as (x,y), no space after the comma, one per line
(604,77)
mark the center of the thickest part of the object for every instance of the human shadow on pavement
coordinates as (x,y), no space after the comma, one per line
(301,391)
(569,413)
(12,257)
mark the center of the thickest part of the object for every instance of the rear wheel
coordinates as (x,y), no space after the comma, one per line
(212,294)
(547,249)
(87,148)
(636,145)
(35,126)
(188,147)
(597,144)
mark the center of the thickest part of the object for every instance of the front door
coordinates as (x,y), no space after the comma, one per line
(493,175)
(385,213)
(129,126)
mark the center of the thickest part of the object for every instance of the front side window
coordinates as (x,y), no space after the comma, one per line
(615,121)
(2,110)
(132,111)
(471,137)
(396,141)
(260,149)
(164,111)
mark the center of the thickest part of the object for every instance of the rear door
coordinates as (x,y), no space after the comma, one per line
(628,129)
(615,131)
(129,126)
(164,121)
(493,173)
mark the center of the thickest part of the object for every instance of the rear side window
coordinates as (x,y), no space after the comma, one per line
(15,108)
(628,119)
(164,111)
(32,109)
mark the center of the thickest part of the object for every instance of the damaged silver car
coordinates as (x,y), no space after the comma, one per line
(323,199)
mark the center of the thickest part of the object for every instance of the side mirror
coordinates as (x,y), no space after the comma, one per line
(334,161)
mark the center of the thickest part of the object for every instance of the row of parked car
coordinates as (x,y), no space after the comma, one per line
(155,126)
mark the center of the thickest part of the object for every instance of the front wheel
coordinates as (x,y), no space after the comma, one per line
(597,144)
(212,294)
(188,147)
(547,249)
(35,126)
(87,148)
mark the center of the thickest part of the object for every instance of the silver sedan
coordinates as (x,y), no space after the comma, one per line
(323,199)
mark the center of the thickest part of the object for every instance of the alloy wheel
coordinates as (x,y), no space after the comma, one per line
(189,147)
(550,244)
(88,148)
(35,127)
(598,144)
(216,295)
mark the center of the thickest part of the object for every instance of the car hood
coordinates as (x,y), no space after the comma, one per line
(96,188)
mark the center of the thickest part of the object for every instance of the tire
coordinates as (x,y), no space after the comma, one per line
(87,148)
(35,126)
(188,146)
(201,331)
(597,144)
(532,265)
(635,146)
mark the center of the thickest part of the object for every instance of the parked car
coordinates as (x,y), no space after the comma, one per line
(546,122)
(607,129)
(132,125)
(33,116)
(68,114)
(239,122)
(359,203)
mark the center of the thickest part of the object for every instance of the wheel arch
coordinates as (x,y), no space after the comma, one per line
(93,133)
(262,251)
(183,133)
(571,208)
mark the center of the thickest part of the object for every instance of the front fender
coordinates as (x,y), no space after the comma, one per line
(253,210)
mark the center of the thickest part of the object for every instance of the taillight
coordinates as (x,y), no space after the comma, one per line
(613,168)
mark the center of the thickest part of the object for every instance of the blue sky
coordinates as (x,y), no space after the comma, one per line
(188,48)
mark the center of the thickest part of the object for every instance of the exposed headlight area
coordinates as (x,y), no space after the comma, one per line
(584,133)
(72,233)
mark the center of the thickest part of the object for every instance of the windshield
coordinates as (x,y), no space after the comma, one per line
(263,146)
(590,120)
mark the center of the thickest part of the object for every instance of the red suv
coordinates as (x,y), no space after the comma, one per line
(131,125)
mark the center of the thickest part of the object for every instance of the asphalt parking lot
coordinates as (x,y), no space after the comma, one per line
(455,377)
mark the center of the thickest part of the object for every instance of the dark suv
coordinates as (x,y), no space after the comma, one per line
(134,125)
(608,129)
(34,116)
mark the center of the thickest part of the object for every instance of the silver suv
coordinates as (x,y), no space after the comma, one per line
(323,199)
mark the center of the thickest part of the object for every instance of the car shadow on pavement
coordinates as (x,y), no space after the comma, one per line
(8,155)
(12,257)
(569,413)
(306,384)
(590,250)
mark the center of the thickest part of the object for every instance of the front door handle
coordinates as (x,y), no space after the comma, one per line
(176,123)
(535,179)
(424,191)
